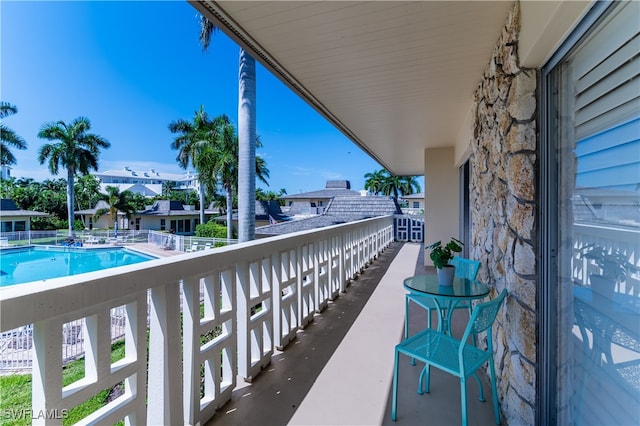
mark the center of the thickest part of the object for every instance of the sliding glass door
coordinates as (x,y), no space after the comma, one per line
(591,229)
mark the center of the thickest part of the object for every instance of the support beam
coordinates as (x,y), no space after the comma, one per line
(441,189)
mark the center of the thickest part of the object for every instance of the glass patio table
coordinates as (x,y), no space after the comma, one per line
(446,298)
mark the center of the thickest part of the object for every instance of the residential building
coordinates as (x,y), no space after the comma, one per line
(501,106)
(14,219)
(342,207)
(314,202)
(165,215)
(105,221)
(5,171)
(266,212)
(146,182)
(415,203)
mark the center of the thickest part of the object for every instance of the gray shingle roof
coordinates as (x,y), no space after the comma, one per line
(338,184)
(8,207)
(333,188)
(342,209)
(321,193)
(264,209)
(168,208)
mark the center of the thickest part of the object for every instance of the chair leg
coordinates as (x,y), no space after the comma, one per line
(463,400)
(474,337)
(494,391)
(406,317)
(394,402)
(425,375)
(481,388)
(406,323)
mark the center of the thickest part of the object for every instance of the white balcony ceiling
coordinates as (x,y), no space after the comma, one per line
(395,77)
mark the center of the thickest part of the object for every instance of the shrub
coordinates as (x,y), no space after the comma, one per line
(211,230)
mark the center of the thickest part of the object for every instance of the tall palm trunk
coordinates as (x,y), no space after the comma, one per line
(202,203)
(229,190)
(246,147)
(70,202)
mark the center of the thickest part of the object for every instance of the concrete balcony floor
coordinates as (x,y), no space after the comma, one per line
(339,370)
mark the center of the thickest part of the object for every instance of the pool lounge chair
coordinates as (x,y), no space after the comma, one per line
(92,240)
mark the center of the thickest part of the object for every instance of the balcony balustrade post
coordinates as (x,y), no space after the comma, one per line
(243,317)
(135,341)
(165,348)
(342,262)
(191,346)
(299,289)
(278,323)
(47,372)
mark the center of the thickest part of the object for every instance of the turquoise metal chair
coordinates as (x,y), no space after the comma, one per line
(465,268)
(453,356)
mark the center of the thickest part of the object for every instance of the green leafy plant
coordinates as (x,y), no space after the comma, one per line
(613,263)
(442,255)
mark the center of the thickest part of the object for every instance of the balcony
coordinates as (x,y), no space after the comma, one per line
(308,322)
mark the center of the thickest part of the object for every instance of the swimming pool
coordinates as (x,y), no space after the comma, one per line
(28,264)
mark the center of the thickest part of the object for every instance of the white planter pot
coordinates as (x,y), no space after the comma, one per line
(445,275)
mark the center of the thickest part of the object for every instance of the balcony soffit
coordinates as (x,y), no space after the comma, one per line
(394,77)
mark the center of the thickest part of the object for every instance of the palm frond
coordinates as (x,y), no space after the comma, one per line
(207,29)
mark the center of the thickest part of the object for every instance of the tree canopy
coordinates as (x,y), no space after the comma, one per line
(381,181)
(8,138)
(77,151)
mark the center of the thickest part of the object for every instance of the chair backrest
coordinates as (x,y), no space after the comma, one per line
(484,315)
(465,268)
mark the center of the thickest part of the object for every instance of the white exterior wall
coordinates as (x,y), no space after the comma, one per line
(441,189)
(153,223)
(15,219)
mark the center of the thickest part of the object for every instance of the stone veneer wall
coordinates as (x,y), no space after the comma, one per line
(502,191)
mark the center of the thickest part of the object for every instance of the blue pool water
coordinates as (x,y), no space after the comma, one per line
(40,263)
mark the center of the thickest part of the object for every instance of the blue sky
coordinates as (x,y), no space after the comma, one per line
(133,67)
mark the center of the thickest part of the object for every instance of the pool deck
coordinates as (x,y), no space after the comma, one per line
(151,249)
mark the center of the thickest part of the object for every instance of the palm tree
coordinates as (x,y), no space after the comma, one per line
(192,141)
(246,134)
(77,151)
(392,185)
(118,202)
(225,163)
(168,187)
(225,160)
(375,181)
(8,137)
(397,185)
(410,185)
(87,191)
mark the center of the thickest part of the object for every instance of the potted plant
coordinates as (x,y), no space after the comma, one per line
(614,266)
(441,256)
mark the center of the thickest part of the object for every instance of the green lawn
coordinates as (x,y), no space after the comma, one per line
(15,393)
(15,390)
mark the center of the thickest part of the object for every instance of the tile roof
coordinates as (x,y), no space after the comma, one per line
(8,207)
(332,188)
(341,209)
(264,209)
(322,193)
(169,208)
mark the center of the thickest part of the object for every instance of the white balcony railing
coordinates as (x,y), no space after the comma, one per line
(610,238)
(254,296)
